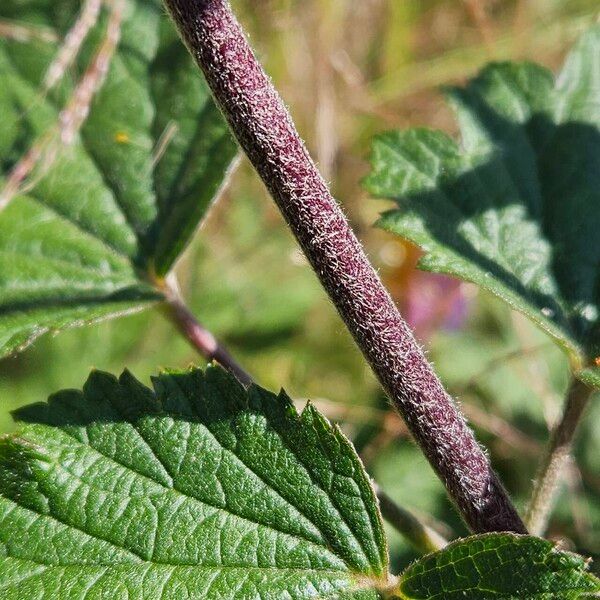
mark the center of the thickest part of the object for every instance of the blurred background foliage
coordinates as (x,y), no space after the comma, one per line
(349,69)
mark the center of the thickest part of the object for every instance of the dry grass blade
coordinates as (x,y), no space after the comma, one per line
(163,142)
(77,110)
(44,151)
(25,33)
(23,168)
(72,43)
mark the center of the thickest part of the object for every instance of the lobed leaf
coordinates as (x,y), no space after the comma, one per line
(514,207)
(99,220)
(201,488)
(198,489)
(499,566)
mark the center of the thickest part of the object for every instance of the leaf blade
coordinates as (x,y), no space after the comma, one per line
(500,566)
(513,208)
(182,484)
(100,205)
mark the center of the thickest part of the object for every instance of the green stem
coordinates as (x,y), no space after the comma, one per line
(421,537)
(552,468)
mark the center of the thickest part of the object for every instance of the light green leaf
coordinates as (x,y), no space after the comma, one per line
(514,207)
(499,567)
(103,218)
(199,489)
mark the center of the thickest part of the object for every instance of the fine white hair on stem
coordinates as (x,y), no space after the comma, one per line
(73,41)
(45,149)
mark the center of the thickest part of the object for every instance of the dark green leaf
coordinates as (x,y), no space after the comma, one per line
(200,489)
(499,567)
(100,218)
(514,207)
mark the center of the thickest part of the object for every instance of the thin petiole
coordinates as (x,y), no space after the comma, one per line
(197,335)
(556,459)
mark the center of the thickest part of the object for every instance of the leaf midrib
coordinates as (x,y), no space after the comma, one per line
(84,145)
(147,563)
(113,250)
(95,275)
(138,560)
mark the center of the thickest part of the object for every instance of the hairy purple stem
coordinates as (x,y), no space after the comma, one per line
(264,129)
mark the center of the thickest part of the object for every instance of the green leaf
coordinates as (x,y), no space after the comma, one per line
(199,489)
(514,207)
(499,567)
(95,227)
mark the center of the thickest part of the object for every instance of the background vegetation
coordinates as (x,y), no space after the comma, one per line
(349,69)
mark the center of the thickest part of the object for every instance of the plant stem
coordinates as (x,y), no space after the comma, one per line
(263,127)
(556,458)
(422,537)
(199,337)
